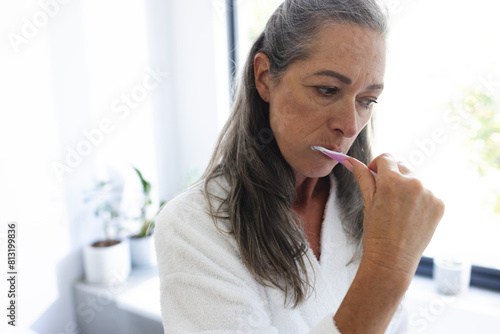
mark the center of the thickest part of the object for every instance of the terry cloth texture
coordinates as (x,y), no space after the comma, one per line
(206,288)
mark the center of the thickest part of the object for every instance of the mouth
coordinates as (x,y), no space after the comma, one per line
(331,154)
(330,148)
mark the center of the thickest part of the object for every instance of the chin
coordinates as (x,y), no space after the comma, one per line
(325,174)
(321,172)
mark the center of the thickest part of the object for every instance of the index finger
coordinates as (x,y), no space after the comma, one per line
(384,162)
(364,177)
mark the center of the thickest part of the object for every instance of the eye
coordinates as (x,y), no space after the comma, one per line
(327,91)
(367,103)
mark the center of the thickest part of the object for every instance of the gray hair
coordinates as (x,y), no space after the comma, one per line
(291,29)
(261,183)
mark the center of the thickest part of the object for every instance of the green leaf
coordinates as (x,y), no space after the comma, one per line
(146,186)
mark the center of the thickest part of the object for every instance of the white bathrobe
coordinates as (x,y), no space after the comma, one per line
(206,288)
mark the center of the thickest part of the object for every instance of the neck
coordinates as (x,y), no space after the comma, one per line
(307,188)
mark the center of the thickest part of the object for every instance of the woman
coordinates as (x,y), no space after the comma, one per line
(278,238)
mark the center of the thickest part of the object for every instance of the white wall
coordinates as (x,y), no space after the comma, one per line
(33,127)
(63,81)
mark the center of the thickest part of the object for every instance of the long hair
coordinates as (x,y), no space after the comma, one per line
(261,183)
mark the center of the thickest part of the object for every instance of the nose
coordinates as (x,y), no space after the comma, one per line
(344,118)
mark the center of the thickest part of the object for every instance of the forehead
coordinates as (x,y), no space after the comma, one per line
(350,49)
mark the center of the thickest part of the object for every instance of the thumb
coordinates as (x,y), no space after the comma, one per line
(363,176)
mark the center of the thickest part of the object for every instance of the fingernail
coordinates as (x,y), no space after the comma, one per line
(348,165)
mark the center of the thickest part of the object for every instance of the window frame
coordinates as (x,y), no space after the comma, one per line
(232,40)
(482,277)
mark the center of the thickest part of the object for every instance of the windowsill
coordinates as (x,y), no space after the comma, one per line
(123,308)
(476,311)
(143,297)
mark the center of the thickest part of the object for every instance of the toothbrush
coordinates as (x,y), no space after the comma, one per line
(337,156)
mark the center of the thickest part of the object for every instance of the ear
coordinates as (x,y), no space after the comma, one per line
(261,67)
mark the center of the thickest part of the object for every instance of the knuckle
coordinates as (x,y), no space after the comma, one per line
(386,156)
(440,206)
(436,205)
(415,185)
(403,167)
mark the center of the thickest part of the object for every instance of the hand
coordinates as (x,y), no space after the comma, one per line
(400,215)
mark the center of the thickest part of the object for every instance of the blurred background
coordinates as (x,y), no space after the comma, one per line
(92,89)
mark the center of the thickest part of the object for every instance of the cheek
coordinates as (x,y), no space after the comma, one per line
(291,112)
(364,122)
(280,114)
(363,125)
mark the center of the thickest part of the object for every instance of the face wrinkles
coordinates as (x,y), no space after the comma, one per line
(322,100)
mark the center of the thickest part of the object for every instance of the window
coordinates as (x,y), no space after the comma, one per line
(252,16)
(440,113)
(442,103)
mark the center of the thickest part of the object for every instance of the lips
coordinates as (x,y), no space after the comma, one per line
(332,148)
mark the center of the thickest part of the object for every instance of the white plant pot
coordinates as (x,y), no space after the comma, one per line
(143,252)
(452,276)
(107,265)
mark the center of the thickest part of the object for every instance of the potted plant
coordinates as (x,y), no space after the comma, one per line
(107,260)
(142,247)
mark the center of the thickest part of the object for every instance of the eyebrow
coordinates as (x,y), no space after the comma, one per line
(346,80)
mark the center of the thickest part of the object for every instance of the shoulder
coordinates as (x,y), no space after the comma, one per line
(188,217)
(189,202)
(202,276)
